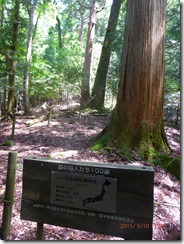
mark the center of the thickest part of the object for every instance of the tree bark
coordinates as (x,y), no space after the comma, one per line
(3,108)
(59,32)
(101,75)
(31,12)
(137,120)
(82,23)
(12,59)
(85,86)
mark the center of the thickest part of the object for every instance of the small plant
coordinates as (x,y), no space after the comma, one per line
(125,155)
(146,151)
(8,143)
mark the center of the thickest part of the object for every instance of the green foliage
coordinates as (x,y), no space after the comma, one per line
(170,163)
(99,143)
(54,71)
(96,147)
(8,143)
(172,57)
(146,152)
(125,155)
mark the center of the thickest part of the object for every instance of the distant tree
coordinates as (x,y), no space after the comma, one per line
(137,120)
(99,87)
(172,77)
(3,73)
(31,8)
(12,57)
(85,88)
(59,32)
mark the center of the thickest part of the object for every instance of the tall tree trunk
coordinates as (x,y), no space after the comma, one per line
(2,13)
(101,75)
(82,22)
(137,120)
(59,32)
(12,59)
(31,12)
(4,110)
(3,75)
(85,86)
(3,99)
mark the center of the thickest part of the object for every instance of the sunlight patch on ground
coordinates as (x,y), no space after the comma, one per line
(64,154)
(69,105)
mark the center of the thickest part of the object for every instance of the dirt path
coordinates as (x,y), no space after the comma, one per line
(70,138)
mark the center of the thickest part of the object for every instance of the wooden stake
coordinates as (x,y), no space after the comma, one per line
(49,117)
(39,232)
(9,193)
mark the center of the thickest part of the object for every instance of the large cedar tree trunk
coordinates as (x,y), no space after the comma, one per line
(137,120)
(85,86)
(100,81)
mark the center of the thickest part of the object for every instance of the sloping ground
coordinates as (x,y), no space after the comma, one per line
(69,137)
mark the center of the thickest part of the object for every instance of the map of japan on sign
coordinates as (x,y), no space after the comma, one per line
(84,191)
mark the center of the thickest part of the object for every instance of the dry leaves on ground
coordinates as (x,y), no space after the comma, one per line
(69,137)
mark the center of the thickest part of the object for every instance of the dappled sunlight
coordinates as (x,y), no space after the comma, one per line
(173,136)
(166,221)
(63,139)
(64,154)
(69,139)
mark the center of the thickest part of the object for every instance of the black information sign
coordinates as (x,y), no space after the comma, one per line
(104,198)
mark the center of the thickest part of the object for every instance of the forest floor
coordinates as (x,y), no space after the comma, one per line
(69,137)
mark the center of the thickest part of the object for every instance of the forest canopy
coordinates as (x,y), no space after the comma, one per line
(51,40)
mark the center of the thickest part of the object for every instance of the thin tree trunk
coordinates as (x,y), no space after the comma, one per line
(81,33)
(4,109)
(12,60)
(3,76)
(85,86)
(59,31)
(28,57)
(1,14)
(36,24)
(101,75)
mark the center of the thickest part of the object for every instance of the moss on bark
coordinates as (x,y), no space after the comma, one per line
(146,143)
